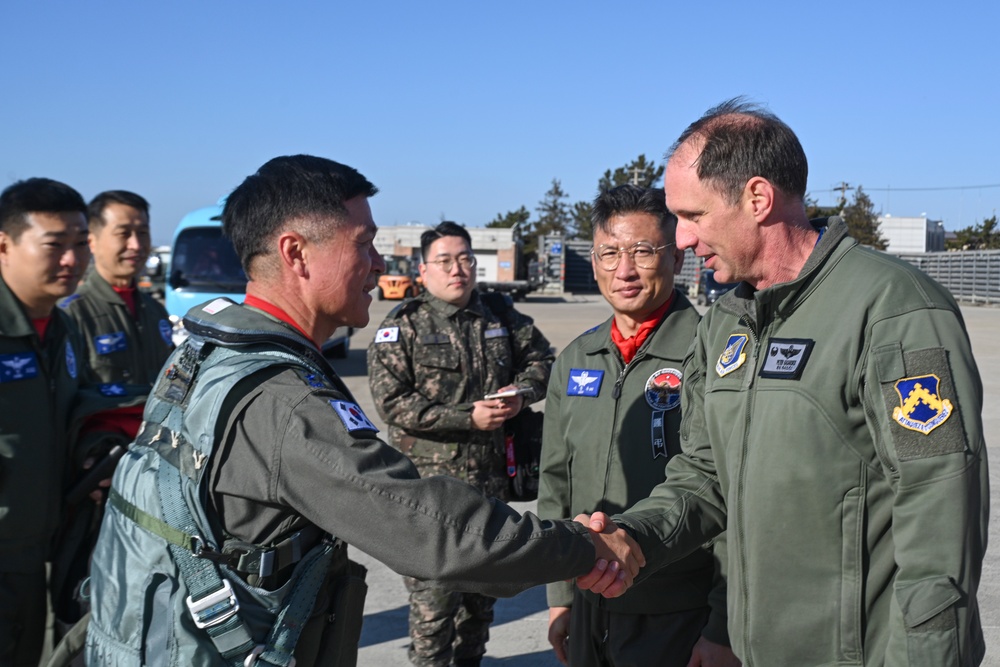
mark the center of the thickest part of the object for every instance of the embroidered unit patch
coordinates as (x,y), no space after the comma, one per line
(583,382)
(18,366)
(733,356)
(920,407)
(387,335)
(112,389)
(111,342)
(663,389)
(352,416)
(70,361)
(786,358)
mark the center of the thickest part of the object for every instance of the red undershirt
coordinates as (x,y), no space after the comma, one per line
(629,346)
(274,311)
(128,296)
(41,325)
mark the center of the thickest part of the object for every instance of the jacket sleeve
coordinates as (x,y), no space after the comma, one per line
(717,628)
(392,381)
(923,398)
(553,483)
(533,356)
(438,528)
(688,509)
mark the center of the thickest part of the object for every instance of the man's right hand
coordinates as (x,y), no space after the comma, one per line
(559,632)
(619,557)
(490,414)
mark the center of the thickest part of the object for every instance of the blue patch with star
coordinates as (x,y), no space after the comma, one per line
(18,366)
(111,342)
(921,408)
(166,332)
(584,382)
(352,416)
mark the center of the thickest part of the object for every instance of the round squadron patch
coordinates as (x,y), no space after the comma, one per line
(70,361)
(663,389)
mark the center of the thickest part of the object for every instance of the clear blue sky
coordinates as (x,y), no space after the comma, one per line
(463,110)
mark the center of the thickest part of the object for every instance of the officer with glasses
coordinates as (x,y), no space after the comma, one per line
(612,421)
(430,366)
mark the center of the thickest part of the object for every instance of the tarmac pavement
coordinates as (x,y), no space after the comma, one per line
(518,634)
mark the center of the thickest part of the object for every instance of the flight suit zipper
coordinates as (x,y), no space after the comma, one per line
(741,488)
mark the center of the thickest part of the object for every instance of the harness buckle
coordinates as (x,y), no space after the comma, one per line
(214,608)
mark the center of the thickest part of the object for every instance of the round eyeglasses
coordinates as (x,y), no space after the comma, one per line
(446,264)
(643,255)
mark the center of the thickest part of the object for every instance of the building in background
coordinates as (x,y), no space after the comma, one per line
(907,235)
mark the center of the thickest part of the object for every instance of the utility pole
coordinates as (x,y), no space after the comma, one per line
(636,173)
(843,187)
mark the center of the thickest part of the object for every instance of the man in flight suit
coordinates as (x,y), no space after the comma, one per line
(43,254)
(832,422)
(430,365)
(612,421)
(283,455)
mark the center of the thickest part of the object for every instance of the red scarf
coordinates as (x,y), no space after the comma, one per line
(128,296)
(274,311)
(41,325)
(629,346)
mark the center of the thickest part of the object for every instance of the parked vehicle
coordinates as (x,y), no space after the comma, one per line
(400,280)
(154,276)
(204,266)
(709,289)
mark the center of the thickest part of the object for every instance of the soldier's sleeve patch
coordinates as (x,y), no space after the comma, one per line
(920,400)
(387,335)
(68,300)
(352,416)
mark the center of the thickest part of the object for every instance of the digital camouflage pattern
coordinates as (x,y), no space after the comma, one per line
(436,640)
(429,362)
(425,373)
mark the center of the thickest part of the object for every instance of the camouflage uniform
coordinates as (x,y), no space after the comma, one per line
(429,362)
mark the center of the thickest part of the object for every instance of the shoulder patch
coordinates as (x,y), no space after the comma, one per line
(591,330)
(387,335)
(70,361)
(68,300)
(922,405)
(352,416)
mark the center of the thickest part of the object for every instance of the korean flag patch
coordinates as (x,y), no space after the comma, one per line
(387,335)
(352,416)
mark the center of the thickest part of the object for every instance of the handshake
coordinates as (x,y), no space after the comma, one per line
(619,557)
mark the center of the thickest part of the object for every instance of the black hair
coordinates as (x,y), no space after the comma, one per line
(628,198)
(95,209)
(36,195)
(742,140)
(446,228)
(302,188)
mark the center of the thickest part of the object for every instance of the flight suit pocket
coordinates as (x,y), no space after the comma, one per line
(929,613)
(331,636)
(436,356)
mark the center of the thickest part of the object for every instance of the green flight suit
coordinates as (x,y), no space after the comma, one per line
(832,424)
(610,429)
(120,347)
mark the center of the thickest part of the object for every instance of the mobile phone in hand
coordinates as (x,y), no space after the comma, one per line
(508,393)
